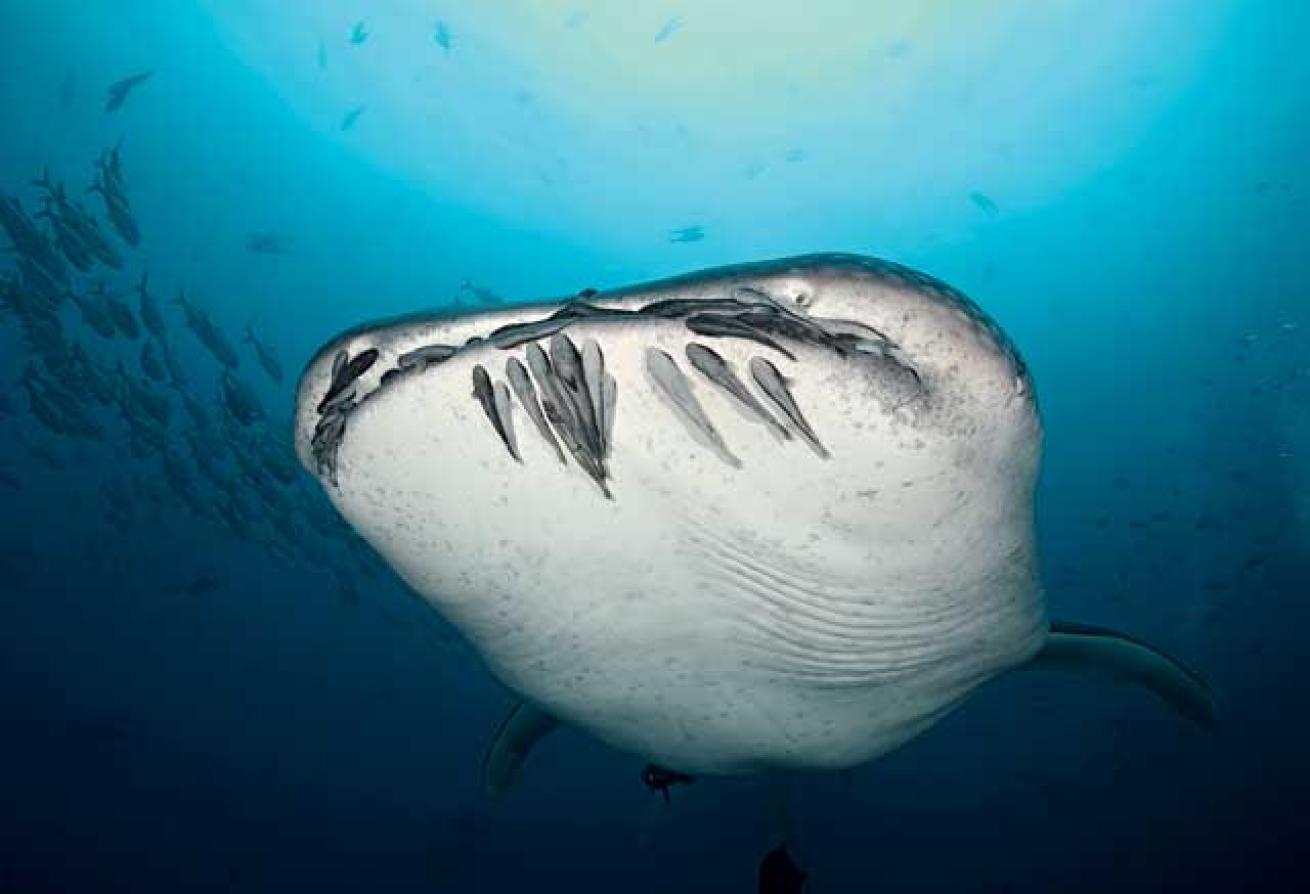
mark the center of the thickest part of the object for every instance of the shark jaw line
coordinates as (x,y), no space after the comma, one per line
(749,313)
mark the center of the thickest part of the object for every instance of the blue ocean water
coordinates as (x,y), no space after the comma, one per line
(210,684)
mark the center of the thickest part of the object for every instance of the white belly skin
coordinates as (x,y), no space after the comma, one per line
(791,613)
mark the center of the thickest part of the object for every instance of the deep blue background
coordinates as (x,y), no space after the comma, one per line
(281,730)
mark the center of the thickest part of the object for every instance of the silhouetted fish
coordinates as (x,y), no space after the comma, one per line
(687,234)
(442,36)
(348,120)
(485,296)
(984,203)
(119,90)
(267,243)
(668,29)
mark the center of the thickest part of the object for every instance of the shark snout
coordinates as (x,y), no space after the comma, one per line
(950,343)
(949,340)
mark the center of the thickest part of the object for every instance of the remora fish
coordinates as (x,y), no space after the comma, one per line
(792,612)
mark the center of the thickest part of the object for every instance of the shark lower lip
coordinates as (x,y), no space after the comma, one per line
(731,309)
(741,316)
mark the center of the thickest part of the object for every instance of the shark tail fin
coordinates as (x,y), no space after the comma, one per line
(519,732)
(1083,647)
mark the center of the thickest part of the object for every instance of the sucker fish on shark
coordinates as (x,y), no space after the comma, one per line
(771,516)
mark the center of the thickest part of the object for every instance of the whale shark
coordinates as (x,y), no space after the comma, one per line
(771,516)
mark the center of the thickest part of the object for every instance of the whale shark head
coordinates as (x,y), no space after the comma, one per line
(770,515)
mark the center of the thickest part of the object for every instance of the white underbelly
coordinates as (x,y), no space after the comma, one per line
(711,618)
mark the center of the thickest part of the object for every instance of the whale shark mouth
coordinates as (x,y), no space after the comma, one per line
(570,398)
(574,398)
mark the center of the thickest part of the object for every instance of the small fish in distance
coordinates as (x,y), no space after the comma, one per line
(119,90)
(687,234)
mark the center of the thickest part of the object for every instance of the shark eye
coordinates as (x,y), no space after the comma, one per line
(803,300)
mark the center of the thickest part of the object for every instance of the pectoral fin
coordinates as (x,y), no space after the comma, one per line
(519,732)
(1082,647)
